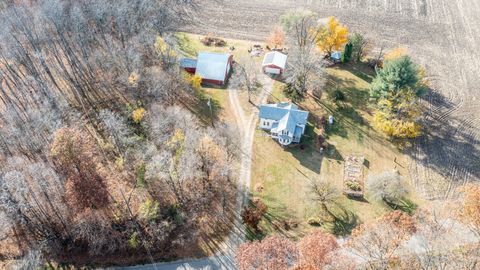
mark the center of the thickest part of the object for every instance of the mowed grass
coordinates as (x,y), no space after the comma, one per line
(285,174)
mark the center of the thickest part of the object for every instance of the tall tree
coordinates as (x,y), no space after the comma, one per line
(360,46)
(75,156)
(273,252)
(396,75)
(379,242)
(332,36)
(277,38)
(316,248)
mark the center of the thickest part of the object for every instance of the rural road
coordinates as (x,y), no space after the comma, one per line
(225,257)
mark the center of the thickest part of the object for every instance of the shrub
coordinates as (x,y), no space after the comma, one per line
(134,240)
(314,221)
(337,95)
(353,186)
(140,175)
(149,210)
(138,115)
(387,186)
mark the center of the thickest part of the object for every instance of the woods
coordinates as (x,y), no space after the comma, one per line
(100,153)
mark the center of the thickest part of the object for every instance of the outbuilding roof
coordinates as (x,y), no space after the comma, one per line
(188,63)
(275,58)
(336,56)
(287,115)
(212,66)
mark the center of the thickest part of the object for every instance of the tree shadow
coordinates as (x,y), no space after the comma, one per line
(278,219)
(449,145)
(206,113)
(306,152)
(361,70)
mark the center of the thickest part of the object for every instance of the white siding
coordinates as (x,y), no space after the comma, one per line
(266,123)
(272,70)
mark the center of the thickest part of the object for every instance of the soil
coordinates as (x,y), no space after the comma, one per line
(441,35)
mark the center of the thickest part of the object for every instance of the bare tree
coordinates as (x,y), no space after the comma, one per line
(305,67)
(245,76)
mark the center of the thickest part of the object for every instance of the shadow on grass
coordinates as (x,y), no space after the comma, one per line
(361,70)
(332,153)
(343,222)
(278,219)
(305,152)
(404,205)
(206,113)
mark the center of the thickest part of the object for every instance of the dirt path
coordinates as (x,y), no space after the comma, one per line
(441,35)
(246,126)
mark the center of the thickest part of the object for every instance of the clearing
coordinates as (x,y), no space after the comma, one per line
(286,173)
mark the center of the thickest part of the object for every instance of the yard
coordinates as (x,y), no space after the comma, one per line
(286,174)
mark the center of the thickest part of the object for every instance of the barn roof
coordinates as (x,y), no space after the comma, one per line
(212,66)
(275,58)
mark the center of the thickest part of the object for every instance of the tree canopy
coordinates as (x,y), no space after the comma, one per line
(396,74)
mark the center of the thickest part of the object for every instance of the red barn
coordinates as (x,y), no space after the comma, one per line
(214,68)
(274,63)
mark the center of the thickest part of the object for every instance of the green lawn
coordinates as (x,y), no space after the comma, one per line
(285,174)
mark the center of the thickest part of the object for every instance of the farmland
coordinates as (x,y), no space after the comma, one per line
(439,35)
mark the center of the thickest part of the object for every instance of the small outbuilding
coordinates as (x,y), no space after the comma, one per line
(274,63)
(189,65)
(336,57)
(214,68)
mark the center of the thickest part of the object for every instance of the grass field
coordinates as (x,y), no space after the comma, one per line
(286,174)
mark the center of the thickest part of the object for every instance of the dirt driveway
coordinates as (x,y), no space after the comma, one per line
(442,35)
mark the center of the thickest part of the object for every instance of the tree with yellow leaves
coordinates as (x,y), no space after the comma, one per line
(167,55)
(332,37)
(395,53)
(397,115)
(195,81)
(138,115)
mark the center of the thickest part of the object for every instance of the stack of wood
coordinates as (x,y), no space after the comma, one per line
(209,40)
(353,183)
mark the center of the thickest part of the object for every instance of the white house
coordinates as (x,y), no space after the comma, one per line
(285,122)
(274,63)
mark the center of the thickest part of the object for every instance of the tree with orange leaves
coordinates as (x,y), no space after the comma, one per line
(315,249)
(470,210)
(74,155)
(332,37)
(273,252)
(276,38)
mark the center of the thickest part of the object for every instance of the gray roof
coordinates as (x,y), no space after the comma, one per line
(336,55)
(275,58)
(212,66)
(287,115)
(188,63)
